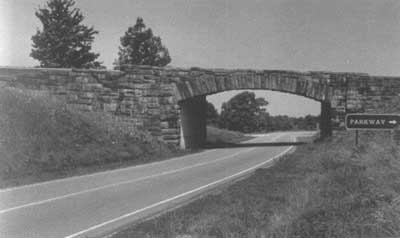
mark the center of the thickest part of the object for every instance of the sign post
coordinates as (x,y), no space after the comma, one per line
(358,121)
(356,137)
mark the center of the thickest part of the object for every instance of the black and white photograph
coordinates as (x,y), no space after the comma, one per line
(199,119)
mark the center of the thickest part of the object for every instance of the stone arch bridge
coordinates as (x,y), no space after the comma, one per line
(171,102)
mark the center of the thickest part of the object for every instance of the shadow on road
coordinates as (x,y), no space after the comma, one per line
(264,144)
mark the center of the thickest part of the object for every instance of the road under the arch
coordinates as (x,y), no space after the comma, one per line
(194,122)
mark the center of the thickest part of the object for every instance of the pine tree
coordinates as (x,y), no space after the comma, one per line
(139,46)
(63,42)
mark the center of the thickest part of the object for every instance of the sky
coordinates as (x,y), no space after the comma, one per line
(340,35)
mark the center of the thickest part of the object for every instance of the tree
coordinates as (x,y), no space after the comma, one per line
(139,46)
(263,122)
(212,115)
(63,41)
(241,112)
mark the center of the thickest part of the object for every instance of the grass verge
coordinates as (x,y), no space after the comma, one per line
(328,189)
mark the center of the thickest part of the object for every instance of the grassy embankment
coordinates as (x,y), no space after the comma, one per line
(328,189)
(41,138)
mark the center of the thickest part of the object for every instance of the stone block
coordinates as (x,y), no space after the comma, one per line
(164,124)
(169,131)
(152,105)
(110,107)
(87,95)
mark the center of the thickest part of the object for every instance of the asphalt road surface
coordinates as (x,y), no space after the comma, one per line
(90,205)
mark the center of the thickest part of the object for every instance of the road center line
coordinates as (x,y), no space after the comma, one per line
(177,196)
(121,183)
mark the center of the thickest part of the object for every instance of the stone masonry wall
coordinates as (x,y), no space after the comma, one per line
(148,97)
(139,98)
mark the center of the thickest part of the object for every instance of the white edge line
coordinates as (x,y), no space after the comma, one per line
(120,183)
(177,196)
(103,172)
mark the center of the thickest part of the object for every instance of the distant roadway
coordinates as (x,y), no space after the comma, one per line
(94,204)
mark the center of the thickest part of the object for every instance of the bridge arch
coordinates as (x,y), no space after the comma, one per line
(193,88)
(207,82)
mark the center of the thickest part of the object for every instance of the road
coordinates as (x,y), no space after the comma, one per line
(90,205)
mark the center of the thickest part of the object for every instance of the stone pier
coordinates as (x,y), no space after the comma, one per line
(193,122)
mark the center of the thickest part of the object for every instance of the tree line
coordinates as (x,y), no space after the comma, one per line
(64,42)
(246,113)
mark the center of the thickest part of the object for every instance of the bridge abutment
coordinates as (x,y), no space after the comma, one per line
(193,122)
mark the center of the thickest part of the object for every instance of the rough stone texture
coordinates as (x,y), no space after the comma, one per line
(149,96)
